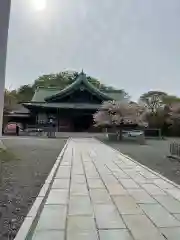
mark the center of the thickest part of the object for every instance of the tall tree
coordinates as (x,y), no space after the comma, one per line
(63,79)
(10,100)
(170,100)
(24,93)
(60,80)
(153,100)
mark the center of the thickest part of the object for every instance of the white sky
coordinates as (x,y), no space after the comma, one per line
(129,44)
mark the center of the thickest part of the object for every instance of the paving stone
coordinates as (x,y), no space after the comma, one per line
(92,175)
(125,166)
(122,175)
(78,189)
(109,179)
(132,172)
(170,203)
(147,174)
(89,166)
(113,234)
(129,183)
(63,172)
(127,205)
(142,228)
(159,215)
(171,233)
(103,171)
(141,196)
(65,163)
(100,196)
(90,170)
(57,196)
(82,235)
(81,223)
(95,183)
(56,215)
(116,189)
(116,170)
(152,189)
(163,184)
(80,205)
(175,192)
(78,179)
(78,170)
(139,178)
(107,216)
(177,216)
(47,235)
(61,183)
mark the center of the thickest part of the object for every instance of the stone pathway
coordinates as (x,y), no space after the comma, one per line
(98,193)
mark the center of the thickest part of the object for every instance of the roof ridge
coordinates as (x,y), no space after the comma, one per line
(48,88)
(113,90)
(81,78)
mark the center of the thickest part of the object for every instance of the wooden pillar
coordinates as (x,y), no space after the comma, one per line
(4,26)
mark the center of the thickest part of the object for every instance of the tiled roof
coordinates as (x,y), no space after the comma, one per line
(48,94)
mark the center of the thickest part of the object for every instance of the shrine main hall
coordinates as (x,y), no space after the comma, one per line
(71,108)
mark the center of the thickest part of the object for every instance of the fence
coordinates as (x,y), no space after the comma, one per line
(41,131)
(175,150)
(153,133)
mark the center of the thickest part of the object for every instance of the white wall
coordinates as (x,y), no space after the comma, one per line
(4,24)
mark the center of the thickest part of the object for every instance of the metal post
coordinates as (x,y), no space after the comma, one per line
(4,26)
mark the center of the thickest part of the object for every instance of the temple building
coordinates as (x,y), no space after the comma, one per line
(71,108)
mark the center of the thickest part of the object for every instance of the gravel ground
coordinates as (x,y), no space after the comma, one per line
(22,178)
(153,155)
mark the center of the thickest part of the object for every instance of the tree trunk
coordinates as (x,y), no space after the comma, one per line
(120,135)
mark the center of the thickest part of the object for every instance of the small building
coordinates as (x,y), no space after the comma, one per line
(71,108)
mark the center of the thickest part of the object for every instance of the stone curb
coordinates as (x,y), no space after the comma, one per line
(34,212)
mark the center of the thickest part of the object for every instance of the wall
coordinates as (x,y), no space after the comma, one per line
(4,24)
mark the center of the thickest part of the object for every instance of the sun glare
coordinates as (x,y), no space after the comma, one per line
(40,5)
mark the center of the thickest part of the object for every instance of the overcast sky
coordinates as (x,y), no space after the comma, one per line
(129,44)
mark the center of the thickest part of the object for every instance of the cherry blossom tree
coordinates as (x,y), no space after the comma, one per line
(118,114)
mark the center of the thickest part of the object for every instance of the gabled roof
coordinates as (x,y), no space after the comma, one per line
(43,94)
(81,81)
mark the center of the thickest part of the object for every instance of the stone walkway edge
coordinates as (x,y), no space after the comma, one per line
(148,169)
(33,215)
(95,192)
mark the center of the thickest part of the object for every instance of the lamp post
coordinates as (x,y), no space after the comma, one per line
(4,26)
